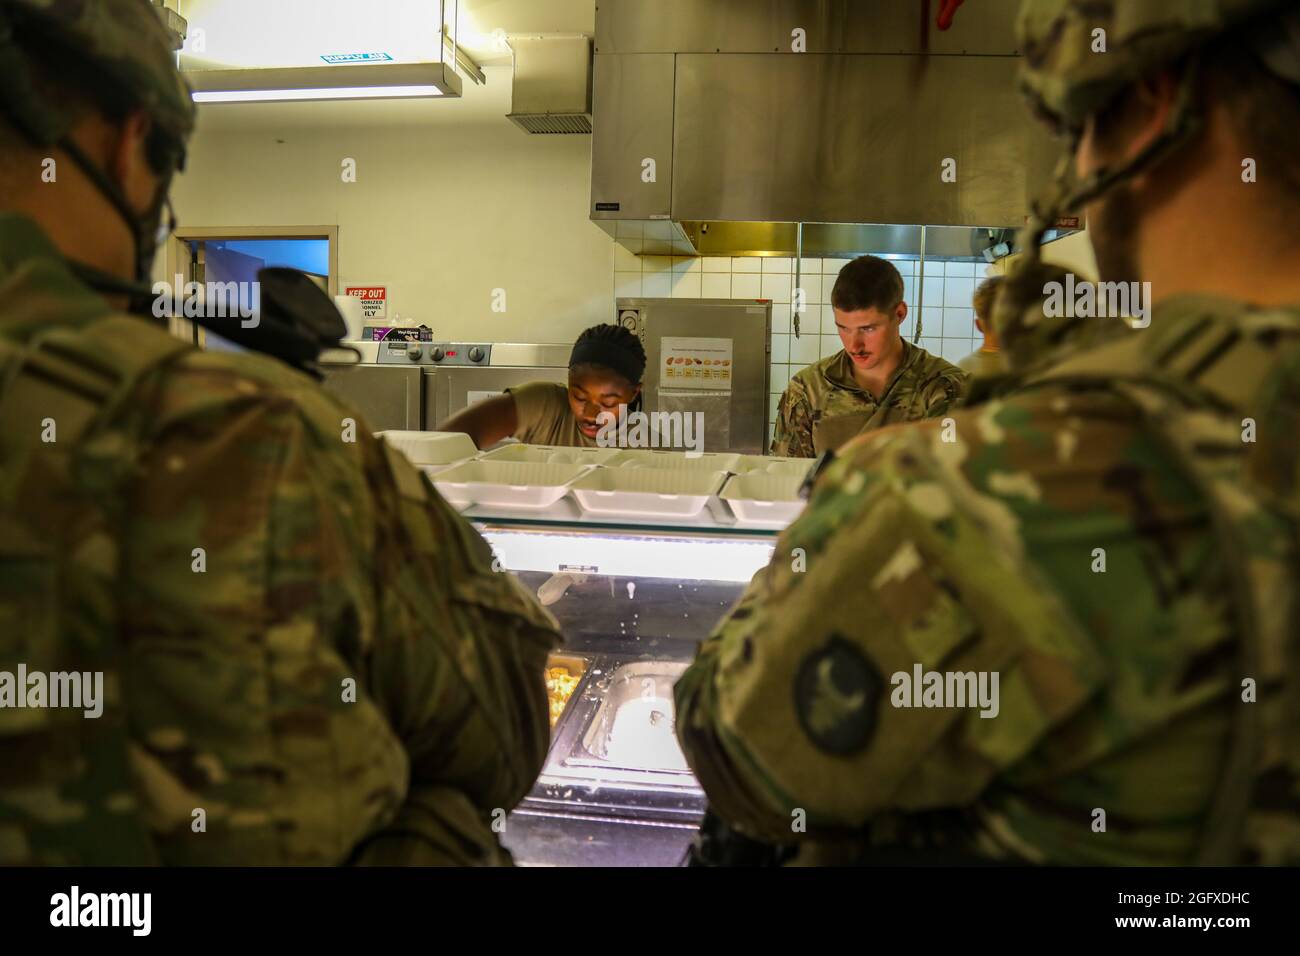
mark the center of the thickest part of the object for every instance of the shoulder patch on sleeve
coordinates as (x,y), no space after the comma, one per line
(837,692)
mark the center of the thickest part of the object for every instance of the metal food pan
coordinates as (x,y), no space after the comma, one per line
(633,728)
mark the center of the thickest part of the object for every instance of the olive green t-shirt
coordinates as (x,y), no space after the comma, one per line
(543,416)
(983,362)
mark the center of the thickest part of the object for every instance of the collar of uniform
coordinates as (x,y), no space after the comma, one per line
(839,372)
(31,265)
(22,240)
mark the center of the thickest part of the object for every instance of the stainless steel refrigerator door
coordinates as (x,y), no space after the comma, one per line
(746,322)
(457,388)
(387,398)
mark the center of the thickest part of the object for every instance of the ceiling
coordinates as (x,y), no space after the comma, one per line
(263,33)
(251,33)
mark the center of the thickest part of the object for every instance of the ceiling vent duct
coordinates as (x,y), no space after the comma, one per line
(552,84)
(173,23)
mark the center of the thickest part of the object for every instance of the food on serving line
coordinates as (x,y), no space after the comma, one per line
(560,684)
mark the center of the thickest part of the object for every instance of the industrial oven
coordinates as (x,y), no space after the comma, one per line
(415,386)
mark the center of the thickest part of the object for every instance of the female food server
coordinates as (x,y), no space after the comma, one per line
(605,371)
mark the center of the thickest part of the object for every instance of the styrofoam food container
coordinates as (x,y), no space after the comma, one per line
(507,484)
(431,448)
(764,499)
(432,470)
(652,492)
(772,465)
(550,454)
(708,461)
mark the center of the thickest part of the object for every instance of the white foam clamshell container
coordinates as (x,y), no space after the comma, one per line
(431,448)
(674,460)
(551,454)
(766,465)
(652,492)
(508,484)
(764,499)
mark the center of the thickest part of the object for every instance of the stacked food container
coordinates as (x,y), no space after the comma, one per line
(612,483)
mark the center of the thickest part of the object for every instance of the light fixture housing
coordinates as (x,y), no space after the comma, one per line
(365,81)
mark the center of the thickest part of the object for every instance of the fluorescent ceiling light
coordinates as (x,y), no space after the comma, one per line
(256,34)
(357,81)
(344,93)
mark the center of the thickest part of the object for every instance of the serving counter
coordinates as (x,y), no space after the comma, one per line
(634,599)
(638,554)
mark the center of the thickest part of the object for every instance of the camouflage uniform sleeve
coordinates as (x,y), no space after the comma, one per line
(459,670)
(791,712)
(944,392)
(792,434)
(321,651)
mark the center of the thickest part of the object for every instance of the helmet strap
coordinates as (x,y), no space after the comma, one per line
(1019,304)
(144,231)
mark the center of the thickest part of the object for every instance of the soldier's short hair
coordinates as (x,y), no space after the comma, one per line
(983,298)
(868,282)
(1264,108)
(621,349)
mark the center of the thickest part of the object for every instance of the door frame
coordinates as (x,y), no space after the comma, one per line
(177,259)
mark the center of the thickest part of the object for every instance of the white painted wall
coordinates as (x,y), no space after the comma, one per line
(451,202)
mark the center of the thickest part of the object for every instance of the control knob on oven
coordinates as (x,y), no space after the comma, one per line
(437,355)
(476,354)
(413,352)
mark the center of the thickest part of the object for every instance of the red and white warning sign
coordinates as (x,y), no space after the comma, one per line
(374,300)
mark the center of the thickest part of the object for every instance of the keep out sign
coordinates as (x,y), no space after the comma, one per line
(374,300)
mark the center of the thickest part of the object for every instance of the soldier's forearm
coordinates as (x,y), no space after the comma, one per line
(436,826)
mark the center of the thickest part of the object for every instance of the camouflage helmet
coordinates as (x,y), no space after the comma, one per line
(123,41)
(1069,74)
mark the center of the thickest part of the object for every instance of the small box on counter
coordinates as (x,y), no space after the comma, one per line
(379,333)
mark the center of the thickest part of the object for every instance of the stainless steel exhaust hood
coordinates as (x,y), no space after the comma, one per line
(711,137)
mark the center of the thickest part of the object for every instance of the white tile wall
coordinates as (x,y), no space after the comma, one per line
(947,318)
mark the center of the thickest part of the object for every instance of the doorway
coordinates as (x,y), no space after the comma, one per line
(231,258)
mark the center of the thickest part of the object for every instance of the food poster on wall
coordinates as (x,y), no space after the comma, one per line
(695,363)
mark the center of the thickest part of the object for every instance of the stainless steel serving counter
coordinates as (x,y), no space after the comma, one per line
(634,600)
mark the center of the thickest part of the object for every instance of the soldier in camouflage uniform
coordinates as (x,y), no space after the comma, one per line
(1110,527)
(877,379)
(307,655)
